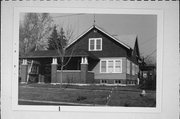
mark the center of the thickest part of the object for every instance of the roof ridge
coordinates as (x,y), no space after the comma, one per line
(102,30)
(112,36)
(128,39)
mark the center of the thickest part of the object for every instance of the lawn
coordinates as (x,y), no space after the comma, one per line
(88,95)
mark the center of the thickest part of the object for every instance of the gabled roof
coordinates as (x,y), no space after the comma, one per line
(41,54)
(128,40)
(103,31)
(54,53)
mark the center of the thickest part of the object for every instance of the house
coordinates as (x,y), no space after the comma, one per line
(147,76)
(94,57)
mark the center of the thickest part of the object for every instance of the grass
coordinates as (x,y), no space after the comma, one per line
(90,94)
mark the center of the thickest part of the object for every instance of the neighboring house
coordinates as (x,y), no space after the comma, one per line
(147,76)
(96,57)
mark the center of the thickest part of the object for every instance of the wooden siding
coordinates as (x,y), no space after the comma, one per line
(110,48)
(130,76)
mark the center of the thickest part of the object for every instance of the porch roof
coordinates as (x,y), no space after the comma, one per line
(54,53)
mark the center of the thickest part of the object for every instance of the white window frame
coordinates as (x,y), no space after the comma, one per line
(95,42)
(114,62)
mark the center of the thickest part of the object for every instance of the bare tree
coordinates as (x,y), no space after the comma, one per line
(59,41)
(150,60)
(33,32)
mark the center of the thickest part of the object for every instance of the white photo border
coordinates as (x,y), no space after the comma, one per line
(159,83)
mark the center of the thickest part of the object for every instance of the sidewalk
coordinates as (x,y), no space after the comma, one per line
(38,102)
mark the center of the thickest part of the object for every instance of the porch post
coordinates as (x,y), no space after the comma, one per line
(24,71)
(84,69)
(54,70)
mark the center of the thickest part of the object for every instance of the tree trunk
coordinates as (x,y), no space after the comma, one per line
(62,61)
(61,76)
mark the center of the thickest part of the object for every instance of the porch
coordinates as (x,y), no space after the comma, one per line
(78,69)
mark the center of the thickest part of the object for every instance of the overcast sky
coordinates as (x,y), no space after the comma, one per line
(144,26)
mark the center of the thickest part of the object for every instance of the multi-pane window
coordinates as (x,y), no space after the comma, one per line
(91,44)
(111,66)
(117,81)
(103,66)
(117,66)
(95,44)
(98,44)
(128,67)
(103,81)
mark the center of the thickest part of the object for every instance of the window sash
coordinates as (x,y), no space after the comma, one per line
(117,66)
(111,66)
(103,81)
(92,43)
(98,44)
(117,82)
(103,66)
(95,44)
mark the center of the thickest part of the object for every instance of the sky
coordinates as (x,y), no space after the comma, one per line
(144,26)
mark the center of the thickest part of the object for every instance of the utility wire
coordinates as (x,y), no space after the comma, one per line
(143,43)
(150,54)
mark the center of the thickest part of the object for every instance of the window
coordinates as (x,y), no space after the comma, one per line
(128,67)
(117,81)
(95,44)
(98,44)
(103,81)
(92,44)
(117,66)
(103,66)
(111,66)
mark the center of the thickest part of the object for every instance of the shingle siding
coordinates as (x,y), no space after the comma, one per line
(110,48)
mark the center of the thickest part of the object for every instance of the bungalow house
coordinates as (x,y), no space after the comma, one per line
(94,57)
